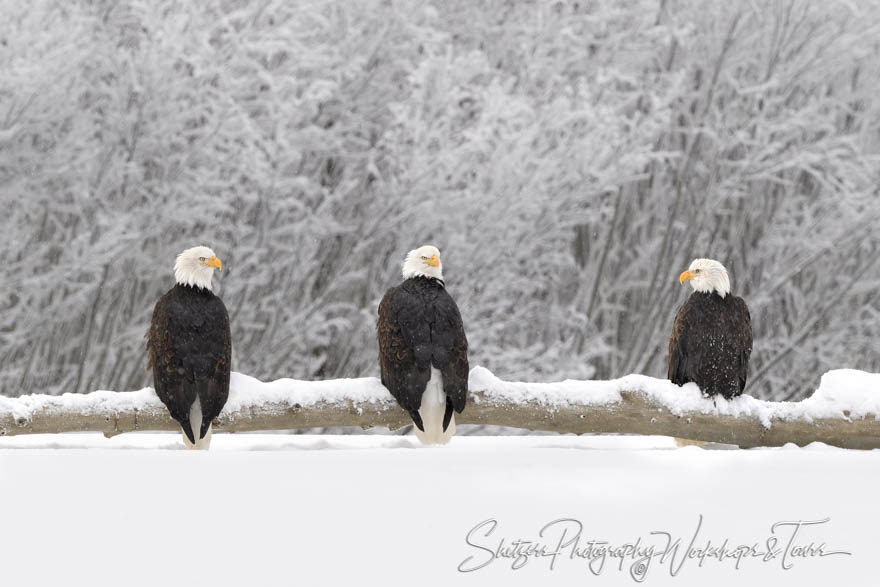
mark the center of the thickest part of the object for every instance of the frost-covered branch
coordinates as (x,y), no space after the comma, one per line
(842,412)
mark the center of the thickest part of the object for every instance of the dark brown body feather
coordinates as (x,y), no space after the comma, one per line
(420,326)
(711,343)
(189,348)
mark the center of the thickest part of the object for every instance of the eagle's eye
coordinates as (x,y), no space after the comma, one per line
(424,258)
(203,259)
(696,270)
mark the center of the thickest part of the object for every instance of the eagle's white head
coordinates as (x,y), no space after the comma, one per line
(706,276)
(195,267)
(425,261)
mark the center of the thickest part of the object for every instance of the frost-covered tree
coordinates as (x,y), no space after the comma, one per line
(569,159)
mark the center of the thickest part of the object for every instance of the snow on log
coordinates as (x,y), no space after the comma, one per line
(842,412)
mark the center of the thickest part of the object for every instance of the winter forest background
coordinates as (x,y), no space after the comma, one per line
(568,158)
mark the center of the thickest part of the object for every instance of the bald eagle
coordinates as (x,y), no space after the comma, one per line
(189,347)
(712,335)
(423,348)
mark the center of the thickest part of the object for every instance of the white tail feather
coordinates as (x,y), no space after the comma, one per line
(195,422)
(432,410)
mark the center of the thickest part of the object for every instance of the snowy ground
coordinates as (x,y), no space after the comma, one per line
(283,509)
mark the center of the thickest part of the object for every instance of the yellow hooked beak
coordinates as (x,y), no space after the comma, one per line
(214,262)
(434,261)
(686,276)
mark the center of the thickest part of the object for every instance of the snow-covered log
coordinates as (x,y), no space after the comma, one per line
(842,412)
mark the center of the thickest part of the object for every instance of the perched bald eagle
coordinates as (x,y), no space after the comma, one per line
(712,335)
(189,347)
(423,348)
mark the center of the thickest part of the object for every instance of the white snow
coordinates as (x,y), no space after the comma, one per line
(290,509)
(568,392)
(842,393)
(845,393)
(24,406)
(246,392)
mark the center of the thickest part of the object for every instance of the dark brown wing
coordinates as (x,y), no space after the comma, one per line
(742,320)
(450,353)
(404,349)
(214,388)
(173,389)
(677,369)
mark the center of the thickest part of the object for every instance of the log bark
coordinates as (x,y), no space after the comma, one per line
(634,414)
